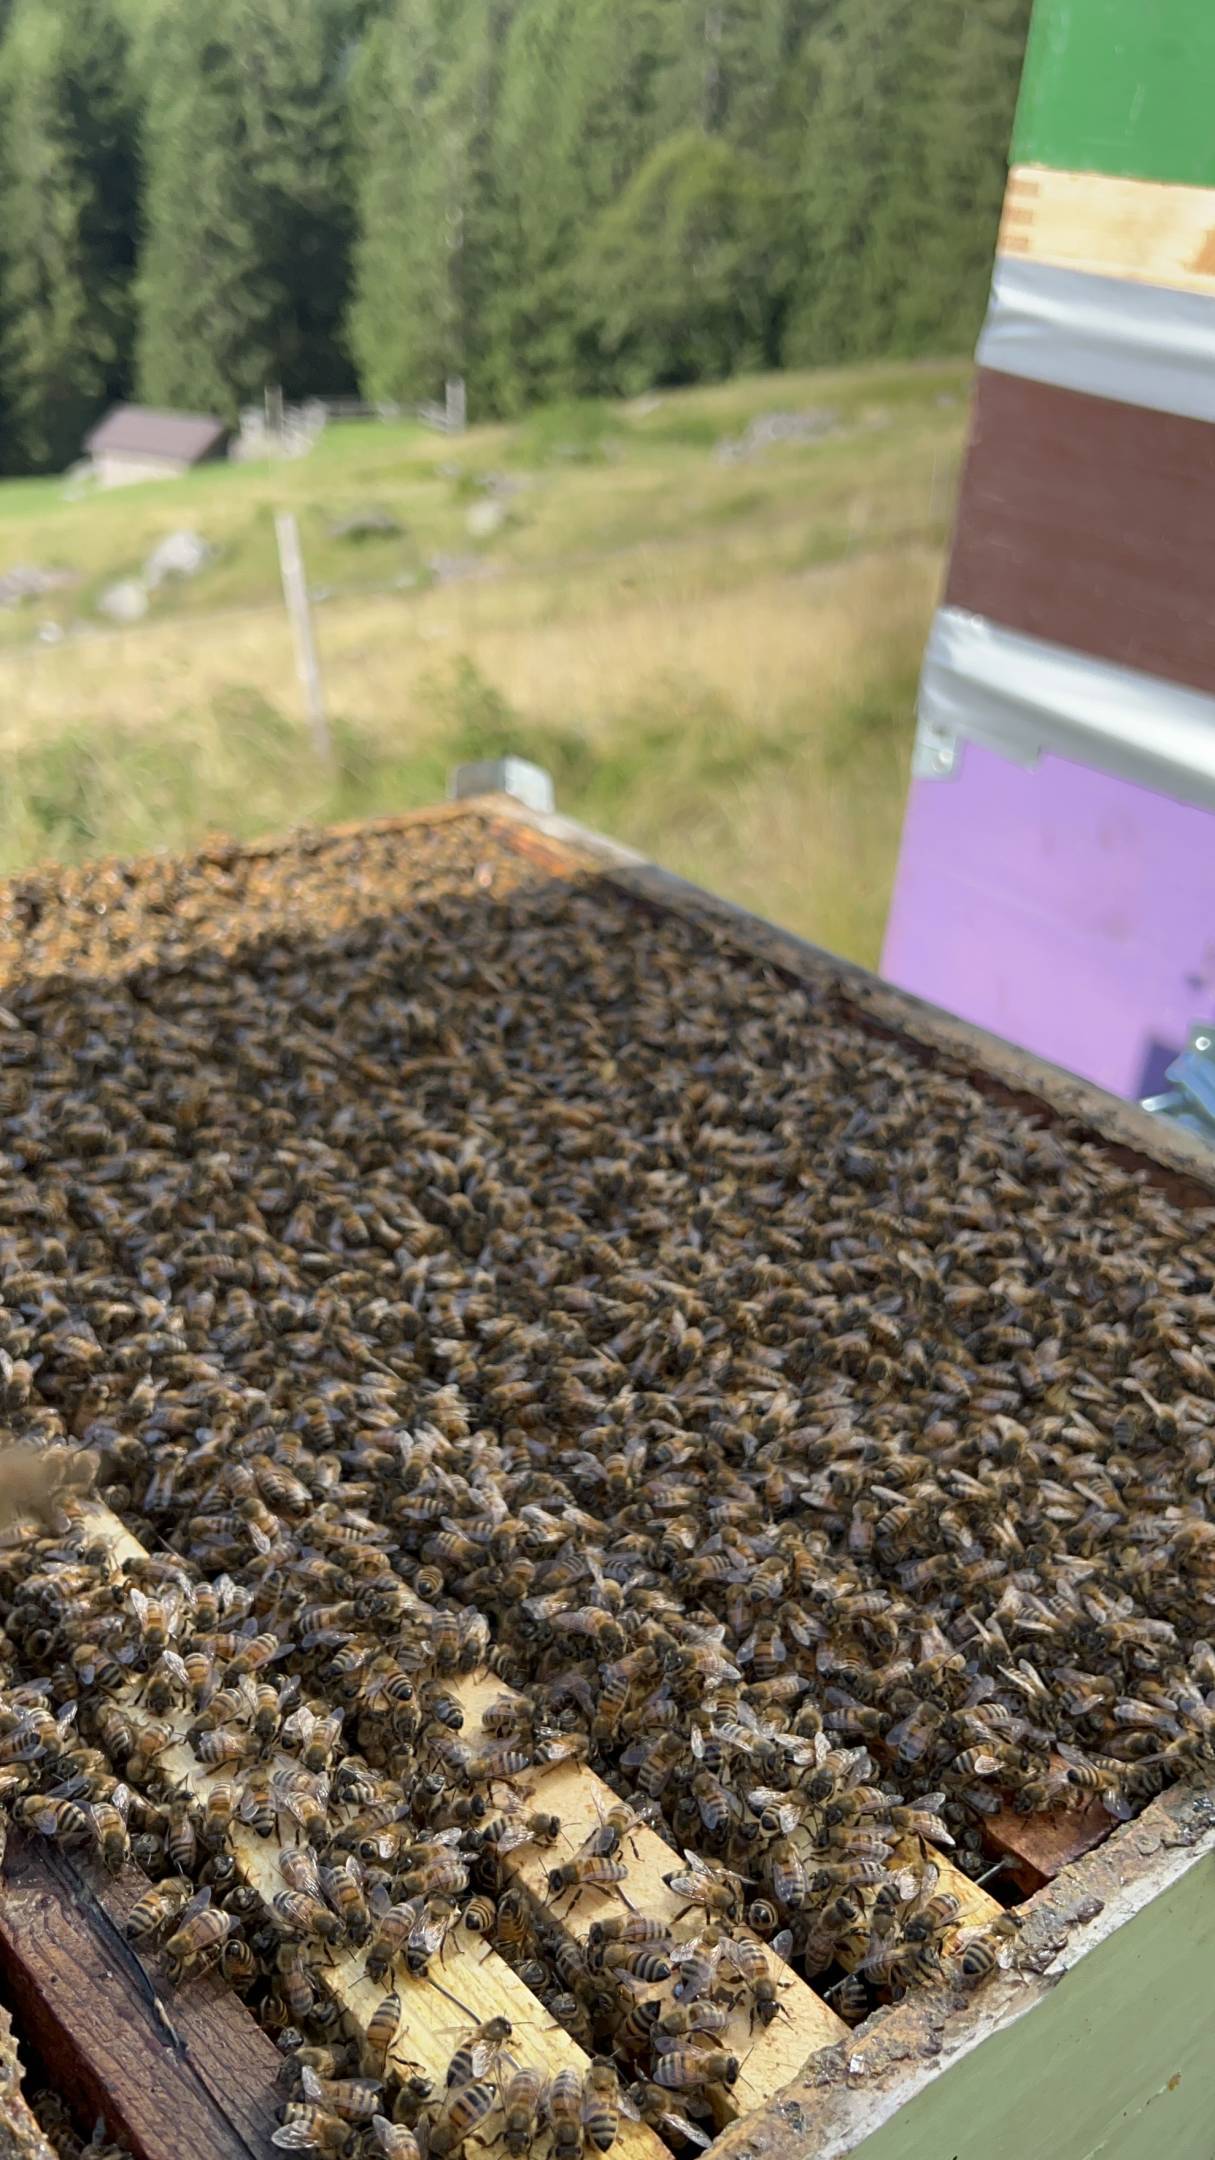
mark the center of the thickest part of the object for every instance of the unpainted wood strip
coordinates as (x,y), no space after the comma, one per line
(432,2024)
(770,2055)
(171,2074)
(1141,230)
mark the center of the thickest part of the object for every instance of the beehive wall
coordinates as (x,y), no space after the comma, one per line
(1057,866)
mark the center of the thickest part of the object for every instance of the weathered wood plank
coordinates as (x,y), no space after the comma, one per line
(172,2072)
(1036,1848)
(774,2053)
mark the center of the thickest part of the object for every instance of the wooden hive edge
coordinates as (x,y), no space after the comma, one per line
(193,2069)
(432,2023)
(852,2094)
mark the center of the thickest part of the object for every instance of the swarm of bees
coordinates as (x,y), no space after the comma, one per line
(440,1267)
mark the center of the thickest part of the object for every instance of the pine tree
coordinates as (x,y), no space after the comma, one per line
(244,269)
(578,118)
(425,260)
(294,56)
(67,233)
(941,307)
(678,272)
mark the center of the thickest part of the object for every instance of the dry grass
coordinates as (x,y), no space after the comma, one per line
(717,662)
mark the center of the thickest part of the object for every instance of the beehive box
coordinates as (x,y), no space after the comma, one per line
(195,1060)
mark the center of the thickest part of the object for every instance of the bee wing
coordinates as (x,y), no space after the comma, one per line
(73,1788)
(930,1876)
(679,1953)
(682,1885)
(198,1904)
(781,1945)
(931,1829)
(295,2137)
(120,1798)
(1073,1756)
(427,1933)
(140,1605)
(67,1716)
(697,1743)
(685,2129)
(513,1835)
(310,2084)
(930,1803)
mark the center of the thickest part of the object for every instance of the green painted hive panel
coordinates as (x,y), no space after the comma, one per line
(1121,86)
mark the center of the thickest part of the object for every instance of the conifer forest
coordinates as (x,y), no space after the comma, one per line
(550,198)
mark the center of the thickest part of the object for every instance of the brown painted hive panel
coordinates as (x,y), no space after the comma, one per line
(1091,524)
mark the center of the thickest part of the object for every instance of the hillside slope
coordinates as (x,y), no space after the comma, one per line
(704,612)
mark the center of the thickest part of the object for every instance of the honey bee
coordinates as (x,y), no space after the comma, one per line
(356,2100)
(202,1931)
(305,1799)
(459,2116)
(521,2110)
(655,2108)
(482,2051)
(687,2069)
(393,2140)
(237,1964)
(684,2020)
(602,2105)
(586,1873)
(432,1923)
(563,2113)
(711,1888)
(159,1904)
(317,2130)
(61,1821)
(750,1962)
(698,1962)
(219,1809)
(110,1828)
(343,1887)
(642,1961)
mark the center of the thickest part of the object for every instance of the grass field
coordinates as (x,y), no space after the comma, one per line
(715,657)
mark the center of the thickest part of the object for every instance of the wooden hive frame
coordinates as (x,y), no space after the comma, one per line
(1094,2037)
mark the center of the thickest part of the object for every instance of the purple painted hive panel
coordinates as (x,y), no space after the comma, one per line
(1062,908)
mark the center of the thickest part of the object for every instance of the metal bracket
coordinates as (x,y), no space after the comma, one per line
(935,756)
(530,784)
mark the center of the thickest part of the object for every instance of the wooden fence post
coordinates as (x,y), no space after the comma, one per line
(295,593)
